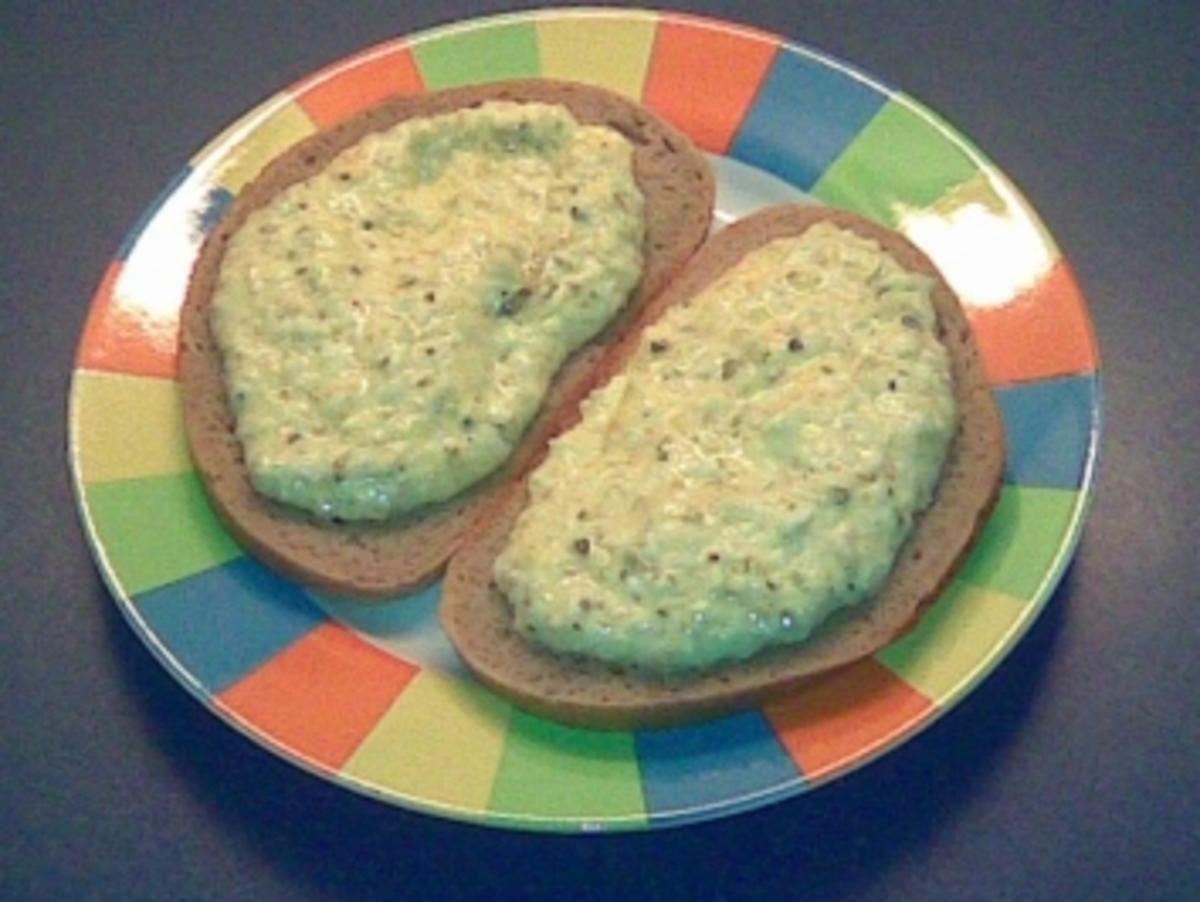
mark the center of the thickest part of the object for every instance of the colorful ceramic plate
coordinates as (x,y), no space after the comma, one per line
(373,698)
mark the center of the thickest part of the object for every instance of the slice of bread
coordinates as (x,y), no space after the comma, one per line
(478,618)
(382,560)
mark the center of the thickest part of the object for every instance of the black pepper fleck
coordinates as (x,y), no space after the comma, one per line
(713,557)
(658,347)
(583,546)
(512,304)
(891,385)
(795,345)
(367,225)
(910,321)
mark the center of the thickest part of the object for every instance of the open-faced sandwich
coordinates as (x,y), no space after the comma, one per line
(780,466)
(375,335)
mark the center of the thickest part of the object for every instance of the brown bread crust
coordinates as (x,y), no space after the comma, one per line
(477,617)
(377,561)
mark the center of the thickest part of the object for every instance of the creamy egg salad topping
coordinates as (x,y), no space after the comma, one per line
(389,326)
(754,468)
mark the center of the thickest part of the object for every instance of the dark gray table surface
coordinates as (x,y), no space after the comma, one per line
(1073,771)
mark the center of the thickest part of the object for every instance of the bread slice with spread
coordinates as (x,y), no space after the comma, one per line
(374,336)
(781,466)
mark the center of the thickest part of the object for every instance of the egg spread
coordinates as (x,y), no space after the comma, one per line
(754,467)
(389,326)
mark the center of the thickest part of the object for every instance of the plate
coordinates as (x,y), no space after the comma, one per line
(373,698)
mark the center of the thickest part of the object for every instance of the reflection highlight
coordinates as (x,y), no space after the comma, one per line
(985,241)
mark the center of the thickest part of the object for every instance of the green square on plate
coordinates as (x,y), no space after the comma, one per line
(469,56)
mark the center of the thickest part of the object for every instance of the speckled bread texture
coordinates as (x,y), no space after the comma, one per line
(378,561)
(478,618)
